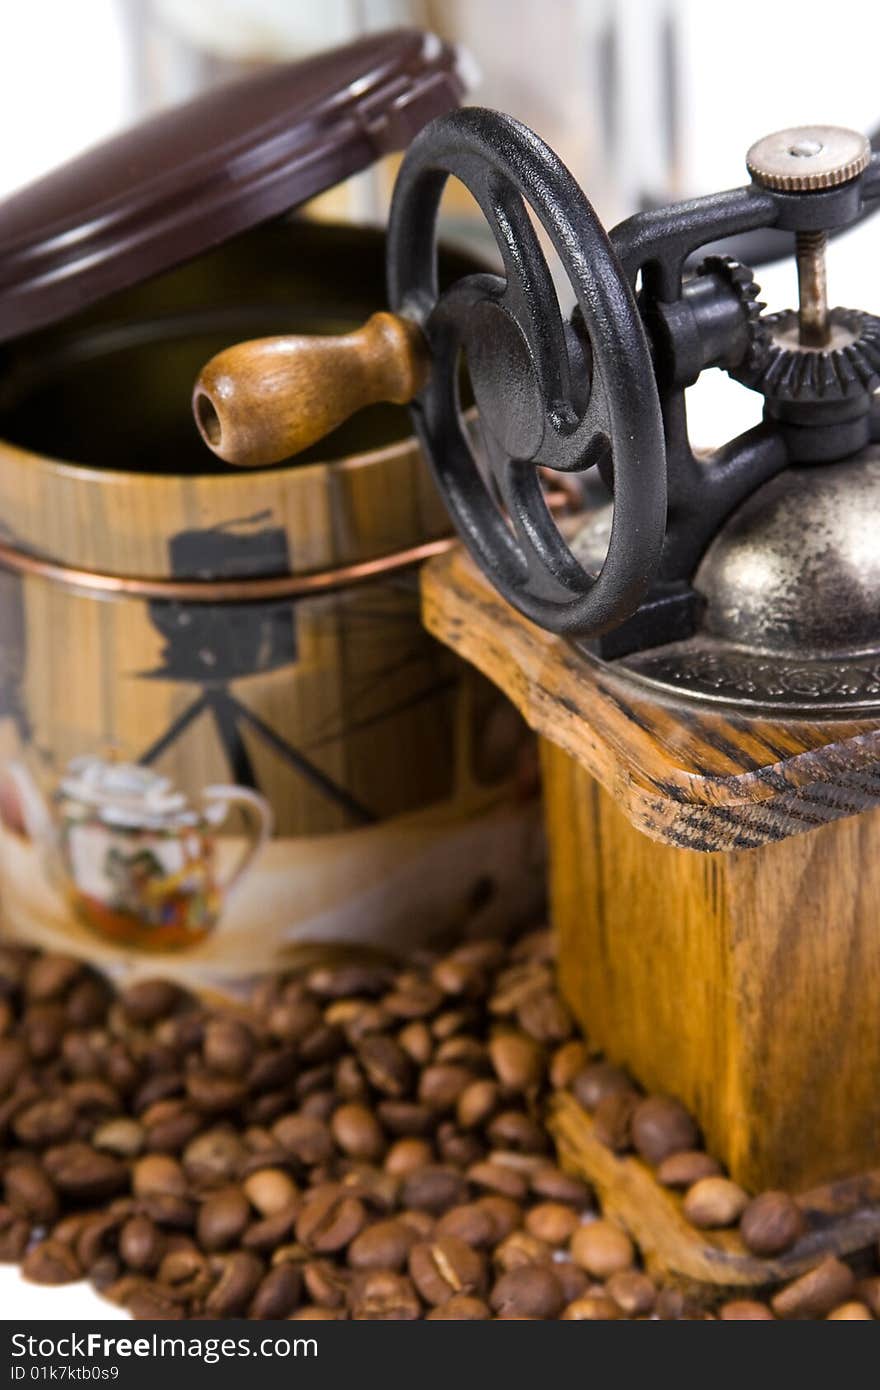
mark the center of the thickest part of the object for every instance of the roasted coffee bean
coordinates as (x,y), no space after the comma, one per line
(477,1103)
(170,1125)
(592,1308)
(682,1170)
(324,1044)
(45,1122)
(458,977)
(96,1234)
(358,1132)
(307,1138)
(868,1291)
(521,1248)
(86,1003)
(446,1266)
(185,1268)
(383,1295)
(456,1147)
(319,1105)
(350,978)
(553,1222)
(421,1222)
(470,1223)
(405,1117)
(51,1262)
(275,1069)
(270,1190)
(141,1243)
(612,1120)
(30,1192)
(714,1202)
(518,1132)
(434,1188)
(160,1085)
(213,1157)
(263,1109)
(461,1308)
(50,976)
(633,1292)
(150,1303)
(377,1189)
(550,1182)
(504,1214)
(84,1173)
(278,1293)
(815,1293)
(326,1283)
(440,1086)
(329,1219)
(771,1223)
(575,1281)
(598,1080)
(15,1233)
(158,1174)
(531,1291)
(181,1033)
(14,1060)
(518,1060)
(567,1062)
(384,1245)
(745,1310)
(238,1275)
(105,1271)
(672,1305)
(851,1312)
(228,1046)
(266,1235)
(417,1042)
(43,1028)
(661,1126)
(290,1022)
(222,1219)
(454,1045)
(149,1000)
(215,1094)
(413,997)
(311,1312)
(407,1155)
(602,1249)
(349,1081)
(492,1177)
(544,1017)
(386,1065)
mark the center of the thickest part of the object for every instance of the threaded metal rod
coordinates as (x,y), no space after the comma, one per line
(812,289)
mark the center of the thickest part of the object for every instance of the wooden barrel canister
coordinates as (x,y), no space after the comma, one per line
(223,729)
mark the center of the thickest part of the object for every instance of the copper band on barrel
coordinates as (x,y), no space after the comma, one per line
(222,590)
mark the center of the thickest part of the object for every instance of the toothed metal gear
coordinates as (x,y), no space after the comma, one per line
(783,370)
(747,290)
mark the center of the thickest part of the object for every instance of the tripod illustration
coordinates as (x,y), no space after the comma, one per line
(229,715)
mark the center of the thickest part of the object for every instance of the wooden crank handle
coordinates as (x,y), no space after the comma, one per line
(259,402)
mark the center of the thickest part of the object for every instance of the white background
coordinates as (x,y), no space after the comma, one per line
(66,80)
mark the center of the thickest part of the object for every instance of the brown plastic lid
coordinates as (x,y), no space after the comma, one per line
(196,175)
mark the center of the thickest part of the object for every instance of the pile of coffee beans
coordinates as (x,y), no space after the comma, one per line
(356,1141)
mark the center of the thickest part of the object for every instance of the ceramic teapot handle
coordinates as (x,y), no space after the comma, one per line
(258,818)
(259,402)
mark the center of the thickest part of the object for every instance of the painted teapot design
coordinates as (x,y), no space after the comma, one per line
(136,860)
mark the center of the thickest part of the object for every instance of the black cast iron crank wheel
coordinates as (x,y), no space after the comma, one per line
(547,397)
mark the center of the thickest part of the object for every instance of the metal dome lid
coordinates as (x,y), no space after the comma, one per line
(188,179)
